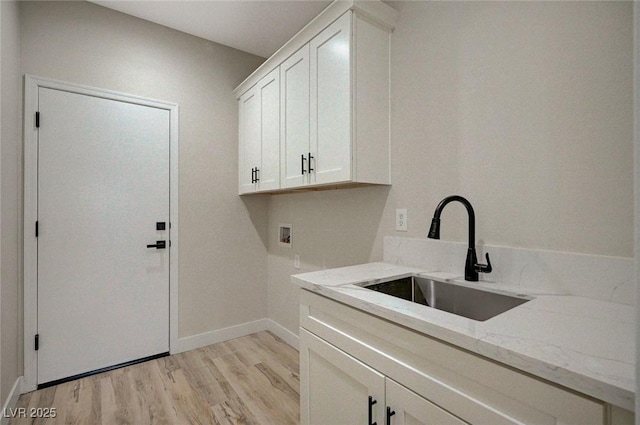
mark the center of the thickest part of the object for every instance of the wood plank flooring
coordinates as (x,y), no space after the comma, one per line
(249,380)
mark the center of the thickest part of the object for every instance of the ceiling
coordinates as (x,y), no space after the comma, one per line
(259,27)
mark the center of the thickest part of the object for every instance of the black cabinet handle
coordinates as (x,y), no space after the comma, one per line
(253,178)
(302,159)
(158,245)
(371,403)
(390,413)
(310,158)
(257,178)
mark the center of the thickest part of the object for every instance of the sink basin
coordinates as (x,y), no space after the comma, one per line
(476,304)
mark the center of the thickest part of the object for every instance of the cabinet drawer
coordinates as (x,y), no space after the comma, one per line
(469,386)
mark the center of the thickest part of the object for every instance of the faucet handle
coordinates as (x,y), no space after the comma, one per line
(484,268)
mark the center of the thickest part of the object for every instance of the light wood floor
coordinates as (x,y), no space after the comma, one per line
(249,380)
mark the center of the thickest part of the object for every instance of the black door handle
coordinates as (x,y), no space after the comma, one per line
(371,403)
(158,245)
(390,413)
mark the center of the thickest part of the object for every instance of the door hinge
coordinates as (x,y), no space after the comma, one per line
(37,342)
(37,119)
(36,229)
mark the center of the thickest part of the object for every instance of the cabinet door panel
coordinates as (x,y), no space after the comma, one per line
(411,409)
(331,102)
(250,130)
(269,170)
(294,117)
(335,387)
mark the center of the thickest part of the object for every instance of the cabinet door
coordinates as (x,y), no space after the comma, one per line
(331,96)
(411,409)
(335,387)
(294,119)
(249,139)
(268,174)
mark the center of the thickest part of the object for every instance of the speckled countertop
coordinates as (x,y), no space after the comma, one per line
(580,343)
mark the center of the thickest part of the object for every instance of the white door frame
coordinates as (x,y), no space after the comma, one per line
(31,86)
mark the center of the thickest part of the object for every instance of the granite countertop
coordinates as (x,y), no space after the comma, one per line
(581,343)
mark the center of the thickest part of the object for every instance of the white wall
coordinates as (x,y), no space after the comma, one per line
(525,108)
(11,194)
(222,237)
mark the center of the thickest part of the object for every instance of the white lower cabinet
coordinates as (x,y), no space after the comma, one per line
(404,407)
(357,368)
(343,390)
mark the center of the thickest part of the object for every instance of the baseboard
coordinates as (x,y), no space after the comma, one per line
(10,404)
(220,335)
(283,333)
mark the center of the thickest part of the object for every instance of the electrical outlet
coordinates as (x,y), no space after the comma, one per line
(296,262)
(401,220)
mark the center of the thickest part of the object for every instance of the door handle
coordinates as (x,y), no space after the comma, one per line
(371,403)
(302,160)
(158,245)
(390,413)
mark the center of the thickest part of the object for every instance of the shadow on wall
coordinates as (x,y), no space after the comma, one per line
(256,206)
(330,228)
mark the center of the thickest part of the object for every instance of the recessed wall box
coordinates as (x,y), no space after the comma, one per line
(285,235)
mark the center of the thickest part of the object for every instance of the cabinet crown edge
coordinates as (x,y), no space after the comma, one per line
(376,11)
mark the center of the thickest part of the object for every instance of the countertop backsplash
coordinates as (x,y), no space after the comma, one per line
(592,276)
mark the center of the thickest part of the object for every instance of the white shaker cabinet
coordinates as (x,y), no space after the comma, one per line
(404,407)
(347,106)
(331,94)
(342,389)
(259,136)
(294,119)
(333,103)
(345,352)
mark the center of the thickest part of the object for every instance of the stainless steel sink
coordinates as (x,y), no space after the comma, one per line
(476,304)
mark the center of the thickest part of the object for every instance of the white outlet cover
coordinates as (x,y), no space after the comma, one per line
(401,220)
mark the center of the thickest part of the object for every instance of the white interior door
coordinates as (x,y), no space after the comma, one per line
(103,184)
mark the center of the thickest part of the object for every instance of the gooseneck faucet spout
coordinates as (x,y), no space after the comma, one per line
(472,267)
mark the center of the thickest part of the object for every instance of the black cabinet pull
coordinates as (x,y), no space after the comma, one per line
(390,413)
(371,403)
(253,178)
(158,245)
(257,178)
(302,159)
(310,158)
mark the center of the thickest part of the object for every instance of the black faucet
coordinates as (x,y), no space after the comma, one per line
(471,267)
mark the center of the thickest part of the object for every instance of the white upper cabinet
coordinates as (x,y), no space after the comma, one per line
(259,136)
(331,96)
(333,102)
(294,118)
